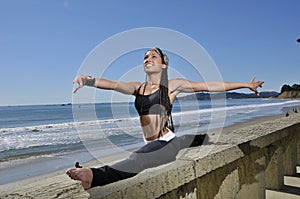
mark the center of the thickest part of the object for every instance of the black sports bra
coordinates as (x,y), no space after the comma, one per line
(148,104)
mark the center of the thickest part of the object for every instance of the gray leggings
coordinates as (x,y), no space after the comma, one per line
(150,155)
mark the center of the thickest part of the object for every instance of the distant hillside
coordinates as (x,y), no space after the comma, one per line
(288,92)
(229,95)
(289,95)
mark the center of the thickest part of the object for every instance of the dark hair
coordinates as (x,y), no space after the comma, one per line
(164,99)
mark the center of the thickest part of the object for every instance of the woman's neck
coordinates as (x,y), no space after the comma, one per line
(154,79)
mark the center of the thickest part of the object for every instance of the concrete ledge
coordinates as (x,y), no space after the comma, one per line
(292,181)
(280,195)
(242,164)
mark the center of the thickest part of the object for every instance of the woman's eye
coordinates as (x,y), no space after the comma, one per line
(152,57)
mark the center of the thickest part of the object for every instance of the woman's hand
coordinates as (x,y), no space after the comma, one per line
(83,80)
(253,85)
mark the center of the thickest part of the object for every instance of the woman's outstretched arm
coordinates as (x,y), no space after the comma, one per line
(122,87)
(182,85)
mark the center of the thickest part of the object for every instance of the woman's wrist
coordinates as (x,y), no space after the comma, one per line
(90,81)
(248,85)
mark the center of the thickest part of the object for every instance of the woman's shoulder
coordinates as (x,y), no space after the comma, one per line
(137,86)
(175,84)
(177,81)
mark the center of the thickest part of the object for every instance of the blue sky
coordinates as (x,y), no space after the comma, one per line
(43,43)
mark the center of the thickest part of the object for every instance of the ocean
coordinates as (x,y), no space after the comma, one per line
(56,136)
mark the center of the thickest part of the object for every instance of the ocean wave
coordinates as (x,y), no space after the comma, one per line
(40,150)
(238,107)
(131,120)
(66,125)
(44,137)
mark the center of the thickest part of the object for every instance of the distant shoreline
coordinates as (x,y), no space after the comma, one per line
(229,95)
(198,96)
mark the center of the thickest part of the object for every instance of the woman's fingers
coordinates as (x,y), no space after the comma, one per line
(76,89)
(79,81)
(255,85)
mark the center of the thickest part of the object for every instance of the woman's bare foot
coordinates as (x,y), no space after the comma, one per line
(85,175)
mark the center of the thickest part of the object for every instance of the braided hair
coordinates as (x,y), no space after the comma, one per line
(164,100)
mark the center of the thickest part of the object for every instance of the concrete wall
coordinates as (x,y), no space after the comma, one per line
(241,164)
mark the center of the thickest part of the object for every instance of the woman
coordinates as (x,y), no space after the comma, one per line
(154,100)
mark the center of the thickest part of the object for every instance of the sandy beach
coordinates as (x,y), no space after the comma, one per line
(58,185)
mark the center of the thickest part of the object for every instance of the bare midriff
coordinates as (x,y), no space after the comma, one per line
(152,125)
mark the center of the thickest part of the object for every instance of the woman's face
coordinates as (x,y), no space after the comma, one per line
(153,61)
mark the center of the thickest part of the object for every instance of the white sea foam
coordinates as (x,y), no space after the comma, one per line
(240,107)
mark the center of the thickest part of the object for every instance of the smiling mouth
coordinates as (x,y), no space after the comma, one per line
(148,65)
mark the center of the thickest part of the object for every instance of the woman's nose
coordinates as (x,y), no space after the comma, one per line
(147,60)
